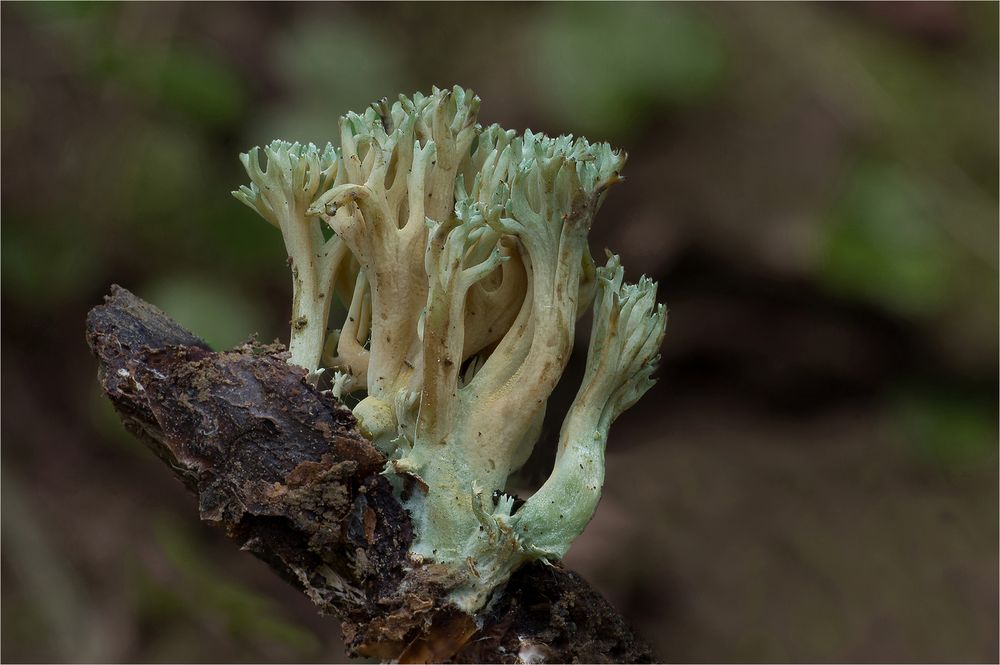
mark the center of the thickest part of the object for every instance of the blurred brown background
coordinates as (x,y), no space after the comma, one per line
(815,186)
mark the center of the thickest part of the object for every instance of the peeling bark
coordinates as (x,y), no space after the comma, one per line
(283,470)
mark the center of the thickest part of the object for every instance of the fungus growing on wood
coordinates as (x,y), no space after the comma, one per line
(461,255)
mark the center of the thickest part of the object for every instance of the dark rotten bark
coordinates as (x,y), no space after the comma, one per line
(281,467)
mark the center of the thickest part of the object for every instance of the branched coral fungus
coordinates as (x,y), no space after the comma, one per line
(461,255)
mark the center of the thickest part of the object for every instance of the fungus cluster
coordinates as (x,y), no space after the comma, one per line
(461,256)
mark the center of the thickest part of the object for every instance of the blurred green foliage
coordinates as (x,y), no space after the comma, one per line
(46,262)
(221,314)
(673,57)
(326,65)
(203,593)
(884,245)
(189,81)
(948,429)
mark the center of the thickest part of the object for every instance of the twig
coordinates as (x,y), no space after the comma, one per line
(282,469)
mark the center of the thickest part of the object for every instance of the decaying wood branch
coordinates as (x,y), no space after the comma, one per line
(281,467)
